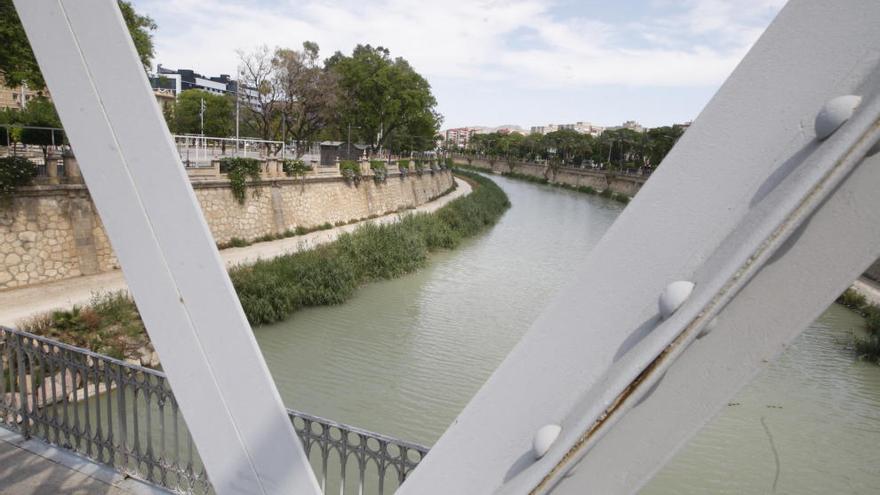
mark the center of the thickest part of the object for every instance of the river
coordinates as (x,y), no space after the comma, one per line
(403,357)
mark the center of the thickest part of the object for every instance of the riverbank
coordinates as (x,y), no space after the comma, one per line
(606,193)
(867,348)
(272,289)
(18,304)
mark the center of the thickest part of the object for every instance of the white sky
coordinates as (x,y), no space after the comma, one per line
(494,62)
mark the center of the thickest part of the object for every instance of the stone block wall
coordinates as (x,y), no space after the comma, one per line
(598,180)
(51,233)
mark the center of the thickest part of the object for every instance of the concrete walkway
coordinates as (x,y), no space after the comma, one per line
(31,467)
(18,304)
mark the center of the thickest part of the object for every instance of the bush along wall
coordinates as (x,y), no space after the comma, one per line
(15,172)
(380,172)
(239,170)
(351,171)
(271,290)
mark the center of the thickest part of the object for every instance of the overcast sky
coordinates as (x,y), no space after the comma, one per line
(489,62)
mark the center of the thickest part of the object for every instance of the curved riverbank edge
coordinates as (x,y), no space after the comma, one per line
(559,180)
(19,304)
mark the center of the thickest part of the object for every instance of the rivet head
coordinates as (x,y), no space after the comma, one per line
(835,113)
(673,296)
(544,439)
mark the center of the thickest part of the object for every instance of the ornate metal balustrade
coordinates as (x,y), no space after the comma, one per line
(126,416)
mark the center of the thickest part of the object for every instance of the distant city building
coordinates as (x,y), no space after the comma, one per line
(17,98)
(182,79)
(460,136)
(581,127)
(170,83)
(629,124)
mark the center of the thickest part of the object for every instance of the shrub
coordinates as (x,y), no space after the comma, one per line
(852,299)
(300,230)
(239,171)
(15,172)
(868,348)
(296,168)
(418,166)
(403,166)
(351,170)
(383,251)
(380,173)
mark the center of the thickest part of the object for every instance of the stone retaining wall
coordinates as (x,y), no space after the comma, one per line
(53,232)
(598,180)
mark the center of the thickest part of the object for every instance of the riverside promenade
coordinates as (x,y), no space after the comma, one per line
(18,304)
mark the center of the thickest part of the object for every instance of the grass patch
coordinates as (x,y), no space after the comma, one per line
(109,324)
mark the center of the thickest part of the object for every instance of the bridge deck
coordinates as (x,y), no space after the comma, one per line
(32,467)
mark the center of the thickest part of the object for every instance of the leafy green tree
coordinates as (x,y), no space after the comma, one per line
(386,102)
(310,94)
(17,63)
(219,114)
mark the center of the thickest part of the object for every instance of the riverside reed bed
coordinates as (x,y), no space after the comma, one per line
(272,290)
(867,348)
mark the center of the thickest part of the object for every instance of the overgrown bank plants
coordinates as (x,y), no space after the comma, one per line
(867,348)
(271,290)
(239,170)
(15,172)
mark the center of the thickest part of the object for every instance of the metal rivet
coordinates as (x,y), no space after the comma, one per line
(673,296)
(544,439)
(834,113)
(708,328)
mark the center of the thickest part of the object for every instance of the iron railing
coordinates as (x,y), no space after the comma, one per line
(125,416)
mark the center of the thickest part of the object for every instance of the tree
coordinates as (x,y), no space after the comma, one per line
(18,65)
(39,113)
(309,94)
(259,92)
(218,118)
(385,100)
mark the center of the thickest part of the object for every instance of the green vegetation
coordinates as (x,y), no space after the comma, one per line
(380,172)
(15,172)
(615,148)
(418,166)
(110,324)
(271,290)
(296,168)
(18,65)
(867,348)
(606,193)
(350,170)
(239,170)
(184,115)
(403,166)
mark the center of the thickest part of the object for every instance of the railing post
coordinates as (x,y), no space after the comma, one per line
(120,412)
(22,385)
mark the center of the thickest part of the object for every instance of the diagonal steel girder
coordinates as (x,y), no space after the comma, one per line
(167,253)
(767,220)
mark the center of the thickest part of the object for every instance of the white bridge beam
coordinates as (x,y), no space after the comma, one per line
(770,222)
(167,253)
